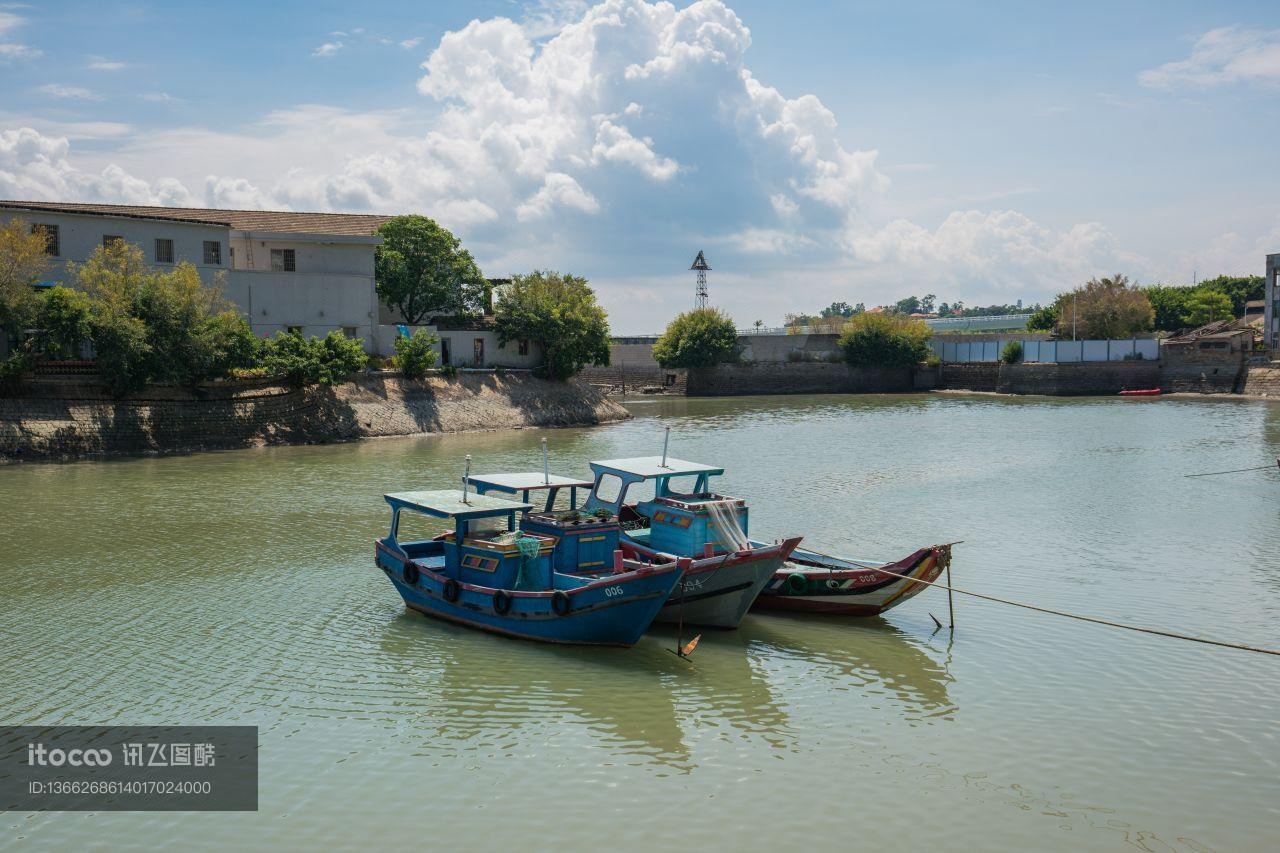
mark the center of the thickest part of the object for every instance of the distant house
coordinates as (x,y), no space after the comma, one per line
(309,273)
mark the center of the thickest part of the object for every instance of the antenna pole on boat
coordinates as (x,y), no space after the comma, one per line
(546,465)
(466,481)
(666,439)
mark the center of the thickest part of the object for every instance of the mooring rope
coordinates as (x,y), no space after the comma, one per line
(1156,631)
(1236,471)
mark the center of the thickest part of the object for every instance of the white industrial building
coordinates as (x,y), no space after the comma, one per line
(310,273)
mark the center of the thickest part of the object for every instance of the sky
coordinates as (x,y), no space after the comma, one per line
(817,152)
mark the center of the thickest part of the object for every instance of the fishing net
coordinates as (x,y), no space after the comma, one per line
(529,549)
(724,520)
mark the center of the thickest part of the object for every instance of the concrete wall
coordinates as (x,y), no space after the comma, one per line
(786,348)
(1200,366)
(462,347)
(79,236)
(974,376)
(318,253)
(629,378)
(796,378)
(1052,379)
(318,303)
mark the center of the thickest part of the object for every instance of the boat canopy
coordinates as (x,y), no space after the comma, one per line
(640,468)
(651,467)
(525,481)
(451,503)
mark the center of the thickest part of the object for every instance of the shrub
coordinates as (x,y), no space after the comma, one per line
(1012,352)
(64,318)
(449,371)
(702,337)
(121,348)
(415,355)
(881,340)
(221,344)
(304,361)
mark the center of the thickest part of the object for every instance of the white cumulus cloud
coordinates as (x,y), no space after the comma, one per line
(614,140)
(1223,55)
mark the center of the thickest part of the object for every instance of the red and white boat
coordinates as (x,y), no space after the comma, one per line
(810,582)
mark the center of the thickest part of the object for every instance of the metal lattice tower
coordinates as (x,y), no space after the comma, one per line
(700,295)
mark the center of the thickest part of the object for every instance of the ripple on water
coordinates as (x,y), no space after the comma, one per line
(238,588)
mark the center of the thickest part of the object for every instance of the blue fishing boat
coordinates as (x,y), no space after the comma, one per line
(488,574)
(673,511)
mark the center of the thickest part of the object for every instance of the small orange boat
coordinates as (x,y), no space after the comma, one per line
(1145,392)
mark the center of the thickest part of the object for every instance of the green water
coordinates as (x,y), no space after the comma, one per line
(239,588)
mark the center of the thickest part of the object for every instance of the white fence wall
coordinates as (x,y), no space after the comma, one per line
(1049,351)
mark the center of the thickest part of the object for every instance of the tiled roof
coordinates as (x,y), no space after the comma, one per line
(337,224)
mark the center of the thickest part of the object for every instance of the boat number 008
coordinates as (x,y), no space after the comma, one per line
(611,591)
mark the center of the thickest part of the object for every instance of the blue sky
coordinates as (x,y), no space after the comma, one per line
(858,151)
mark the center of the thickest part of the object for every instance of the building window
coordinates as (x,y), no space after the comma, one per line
(293,330)
(283,260)
(50,233)
(524,347)
(109,240)
(350,332)
(213,252)
(164,251)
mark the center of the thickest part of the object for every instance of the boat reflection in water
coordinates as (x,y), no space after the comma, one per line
(866,654)
(461,691)
(478,692)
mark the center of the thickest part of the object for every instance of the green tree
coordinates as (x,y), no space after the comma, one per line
(159,326)
(884,340)
(910,305)
(838,309)
(1043,318)
(421,268)
(1105,308)
(703,337)
(1207,305)
(23,262)
(560,313)
(1239,289)
(64,318)
(416,354)
(305,361)
(1169,305)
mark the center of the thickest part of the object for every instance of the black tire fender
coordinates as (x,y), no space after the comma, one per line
(501,602)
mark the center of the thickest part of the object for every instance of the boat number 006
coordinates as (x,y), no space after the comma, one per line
(611,591)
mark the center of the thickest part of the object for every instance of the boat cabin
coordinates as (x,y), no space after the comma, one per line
(485,545)
(678,507)
(585,541)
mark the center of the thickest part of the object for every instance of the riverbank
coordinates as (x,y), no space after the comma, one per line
(63,418)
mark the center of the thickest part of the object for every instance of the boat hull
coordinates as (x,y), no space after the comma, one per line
(614,610)
(717,592)
(819,584)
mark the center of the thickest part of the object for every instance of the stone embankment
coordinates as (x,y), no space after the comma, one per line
(72,417)
(1263,382)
